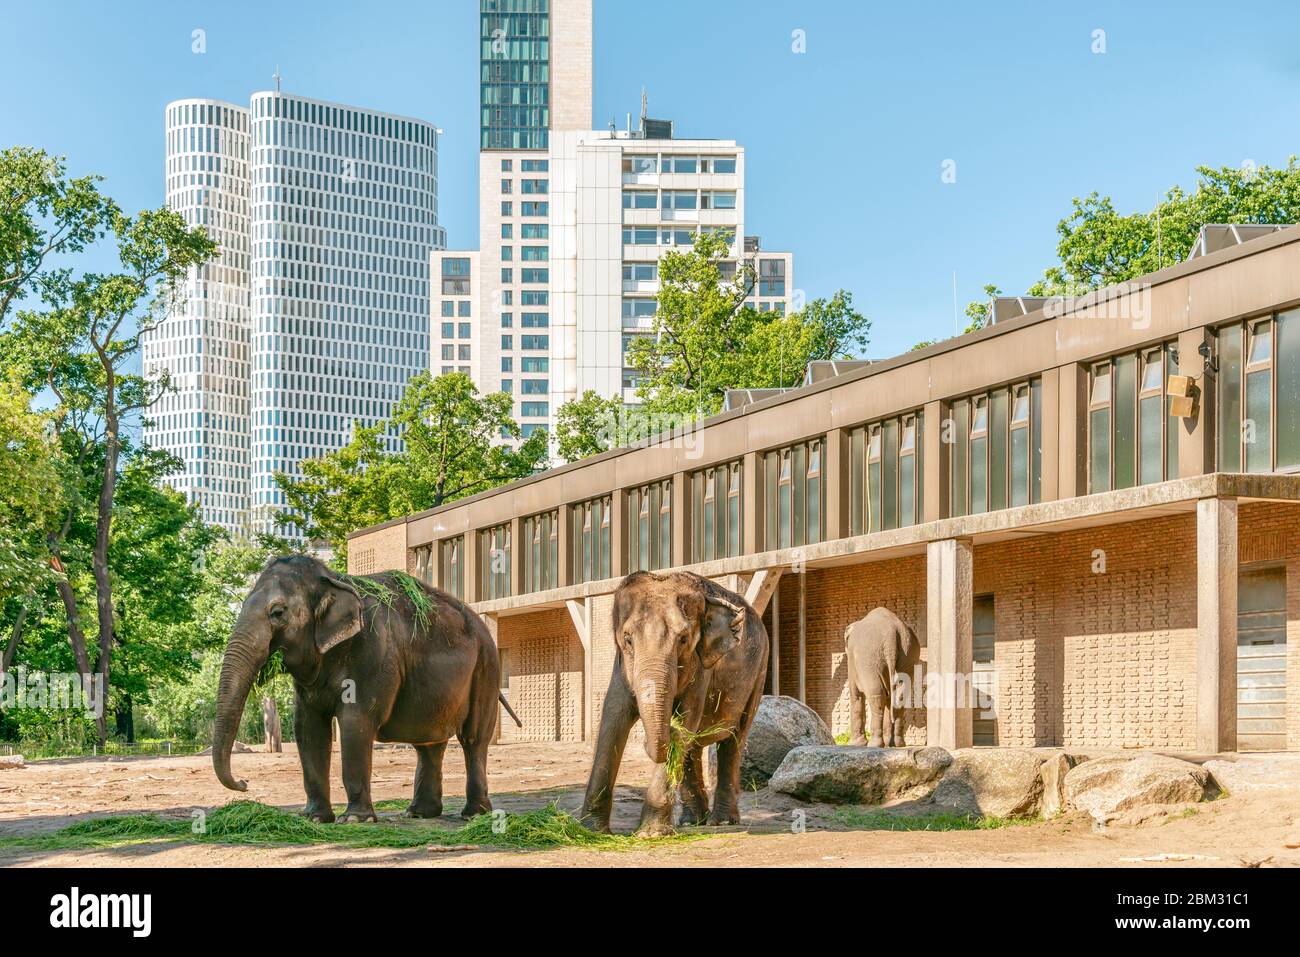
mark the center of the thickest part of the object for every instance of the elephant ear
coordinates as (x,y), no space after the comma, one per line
(723,624)
(338,616)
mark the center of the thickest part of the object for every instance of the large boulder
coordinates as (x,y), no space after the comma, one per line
(1003,782)
(781,724)
(10,762)
(1106,787)
(853,775)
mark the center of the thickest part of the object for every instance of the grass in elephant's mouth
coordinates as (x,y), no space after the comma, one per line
(680,740)
(248,822)
(875,819)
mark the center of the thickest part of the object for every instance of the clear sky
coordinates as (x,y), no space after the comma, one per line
(846,142)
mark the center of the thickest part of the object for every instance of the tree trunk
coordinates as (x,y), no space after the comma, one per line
(99,561)
(271,723)
(126,719)
(12,647)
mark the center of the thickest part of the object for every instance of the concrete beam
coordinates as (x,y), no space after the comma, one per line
(949,607)
(760,588)
(835,469)
(1196,442)
(1216,625)
(751,502)
(934,452)
(578,612)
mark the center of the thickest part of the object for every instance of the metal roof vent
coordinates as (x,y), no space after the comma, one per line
(1217,236)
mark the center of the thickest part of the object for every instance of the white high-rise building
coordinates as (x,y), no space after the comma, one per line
(331,237)
(573,221)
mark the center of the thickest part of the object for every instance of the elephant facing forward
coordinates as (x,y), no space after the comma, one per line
(879,648)
(684,646)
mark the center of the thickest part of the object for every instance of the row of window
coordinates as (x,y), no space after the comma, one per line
(678,199)
(673,163)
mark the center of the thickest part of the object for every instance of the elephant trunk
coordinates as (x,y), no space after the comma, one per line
(244,658)
(656,688)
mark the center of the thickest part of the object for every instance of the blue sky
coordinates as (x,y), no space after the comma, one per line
(845,141)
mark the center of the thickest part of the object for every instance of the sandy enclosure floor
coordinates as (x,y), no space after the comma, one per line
(1252,826)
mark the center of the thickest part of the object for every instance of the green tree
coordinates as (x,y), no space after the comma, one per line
(706,340)
(43,214)
(1099,246)
(589,425)
(30,461)
(452,448)
(83,346)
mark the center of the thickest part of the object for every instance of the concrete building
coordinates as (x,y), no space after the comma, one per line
(572,221)
(315,314)
(1089,510)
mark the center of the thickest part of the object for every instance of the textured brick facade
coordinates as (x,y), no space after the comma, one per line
(543,663)
(380,550)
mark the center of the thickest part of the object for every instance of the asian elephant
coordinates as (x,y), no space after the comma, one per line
(686,647)
(389,665)
(879,648)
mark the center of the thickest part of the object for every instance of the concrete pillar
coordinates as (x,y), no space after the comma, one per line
(518,552)
(1196,442)
(774,661)
(1049,415)
(835,467)
(949,564)
(618,533)
(1216,625)
(469,565)
(751,502)
(1072,431)
(936,463)
(564,553)
(681,518)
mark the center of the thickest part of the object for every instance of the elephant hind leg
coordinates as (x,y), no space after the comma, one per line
(879,703)
(857,716)
(693,794)
(427,801)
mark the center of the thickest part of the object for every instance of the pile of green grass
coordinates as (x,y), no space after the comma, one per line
(251,823)
(875,819)
(680,740)
(386,596)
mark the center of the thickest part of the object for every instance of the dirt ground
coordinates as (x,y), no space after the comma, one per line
(1251,827)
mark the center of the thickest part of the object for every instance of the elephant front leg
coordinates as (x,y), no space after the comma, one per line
(657,811)
(358,745)
(726,797)
(694,795)
(313,733)
(427,801)
(617,717)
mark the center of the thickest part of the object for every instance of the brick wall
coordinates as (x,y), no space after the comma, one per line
(834,598)
(377,551)
(544,659)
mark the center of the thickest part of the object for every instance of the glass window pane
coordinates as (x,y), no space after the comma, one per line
(1099,450)
(960,454)
(1125,421)
(978,475)
(1229,399)
(1020,466)
(1288,389)
(1257,428)
(1036,440)
(889,486)
(998,449)
(857,446)
(1150,412)
(906,491)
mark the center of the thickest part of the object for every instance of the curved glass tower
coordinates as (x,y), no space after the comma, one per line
(204,341)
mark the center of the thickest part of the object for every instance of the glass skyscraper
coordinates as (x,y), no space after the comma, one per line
(515,65)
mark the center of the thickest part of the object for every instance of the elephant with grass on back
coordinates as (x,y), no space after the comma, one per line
(391,658)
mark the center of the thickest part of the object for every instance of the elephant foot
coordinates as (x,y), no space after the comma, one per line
(475,808)
(359,816)
(719,817)
(320,815)
(424,809)
(693,815)
(858,741)
(655,829)
(594,821)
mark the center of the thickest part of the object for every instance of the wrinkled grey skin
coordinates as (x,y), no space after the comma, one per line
(409,682)
(880,647)
(684,645)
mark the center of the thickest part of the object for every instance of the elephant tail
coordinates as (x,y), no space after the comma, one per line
(509,710)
